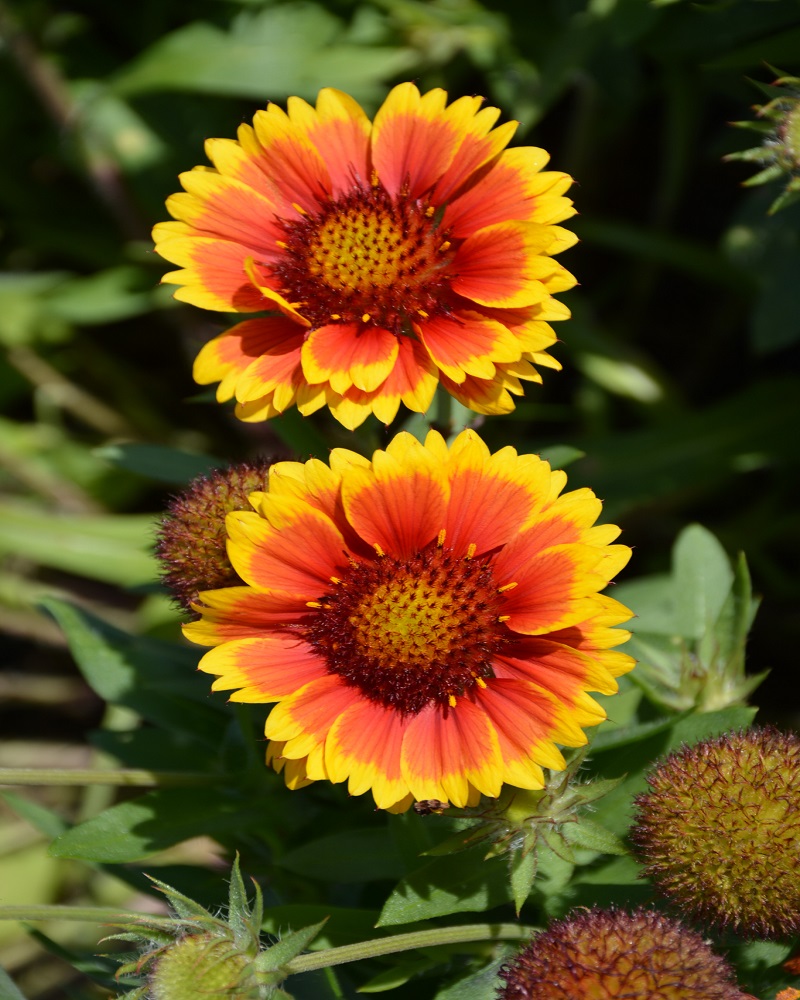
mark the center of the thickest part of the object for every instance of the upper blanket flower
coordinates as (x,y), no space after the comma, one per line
(395,254)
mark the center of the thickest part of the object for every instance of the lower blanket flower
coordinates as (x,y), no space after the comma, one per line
(428,622)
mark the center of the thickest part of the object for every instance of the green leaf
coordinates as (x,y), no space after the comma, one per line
(457,883)
(652,600)
(482,985)
(398,975)
(350,856)
(8,991)
(615,871)
(155,461)
(44,820)
(157,679)
(561,455)
(112,548)
(136,829)
(523,872)
(289,49)
(702,578)
(104,297)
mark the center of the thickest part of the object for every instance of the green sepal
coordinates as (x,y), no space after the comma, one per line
(555,840)
(186,908)
(593,836)
(244,921)
(522,868)
(275,958)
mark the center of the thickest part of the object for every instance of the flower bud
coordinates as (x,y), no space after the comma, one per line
(191,543)
(719,831)
(611,954)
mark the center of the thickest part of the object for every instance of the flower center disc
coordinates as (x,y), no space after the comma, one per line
(410,632)
(365,255)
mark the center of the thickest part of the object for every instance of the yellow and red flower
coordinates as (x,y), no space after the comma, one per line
(394,254)
(429,622)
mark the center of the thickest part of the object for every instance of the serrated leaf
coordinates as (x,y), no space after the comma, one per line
(457,883)
(594,790)
(522,868)
(133,830)
(186,908)
(553,875)
(482,985)
(289,946)
(594,837)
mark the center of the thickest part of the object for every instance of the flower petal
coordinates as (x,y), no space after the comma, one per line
(400,504)
(304,719)
(364,745)
(264,668)
(347,354)
(339,130)
(292,162)
(413,142)
(213,275)
(467,344)
(501,265)
(492,497)
(512,189)
(446,753)
(291,547)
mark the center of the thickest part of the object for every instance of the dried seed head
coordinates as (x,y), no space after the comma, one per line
(719,832)
(610,955)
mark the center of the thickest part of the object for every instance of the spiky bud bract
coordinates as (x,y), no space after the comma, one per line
(522,822)
(611,954)
(719,831)
(191,541)
(778,122)
(195,954)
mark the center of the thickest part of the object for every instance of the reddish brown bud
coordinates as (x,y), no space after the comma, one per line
(611,955)
(191,540)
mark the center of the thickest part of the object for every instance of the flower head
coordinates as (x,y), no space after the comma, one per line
(429,622)
(393,254)
(191,540)
(609,954)
(719,831)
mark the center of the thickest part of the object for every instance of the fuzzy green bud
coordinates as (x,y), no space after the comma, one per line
(203,965)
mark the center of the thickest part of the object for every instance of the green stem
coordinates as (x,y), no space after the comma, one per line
(408,942)
(118,776)
(93,914)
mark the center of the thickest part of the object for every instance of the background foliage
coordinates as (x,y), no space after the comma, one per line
(678,391)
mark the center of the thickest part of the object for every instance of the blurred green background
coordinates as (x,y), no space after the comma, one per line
(680,384)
